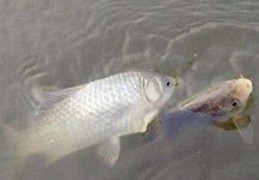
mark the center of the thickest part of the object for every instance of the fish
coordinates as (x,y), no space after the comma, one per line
(215,105)
(94,114)
(226,98)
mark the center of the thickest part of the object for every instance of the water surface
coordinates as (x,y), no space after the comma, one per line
(58,44)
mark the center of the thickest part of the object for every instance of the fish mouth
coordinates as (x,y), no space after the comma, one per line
(248,84)
(243,88)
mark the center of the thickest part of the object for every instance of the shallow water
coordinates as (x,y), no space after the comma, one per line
(58,44)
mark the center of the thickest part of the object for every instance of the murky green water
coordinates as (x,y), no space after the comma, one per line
(58,44)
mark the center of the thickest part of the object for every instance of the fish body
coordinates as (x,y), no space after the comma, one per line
(96,113)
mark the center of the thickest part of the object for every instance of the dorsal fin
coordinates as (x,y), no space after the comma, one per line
(48,98)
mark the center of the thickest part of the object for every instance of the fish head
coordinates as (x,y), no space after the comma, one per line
(218,105)
(236,96)
(236,99)
(157,89)
(221,101)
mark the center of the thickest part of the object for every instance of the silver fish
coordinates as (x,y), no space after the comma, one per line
(97,113)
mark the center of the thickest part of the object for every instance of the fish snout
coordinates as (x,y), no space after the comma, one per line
(249,85)
(244,87)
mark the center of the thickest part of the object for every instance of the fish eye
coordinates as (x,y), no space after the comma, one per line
(235,103)
(231,104)
(167,82)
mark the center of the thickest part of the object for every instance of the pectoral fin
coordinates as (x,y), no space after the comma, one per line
(245,132)
(109,150)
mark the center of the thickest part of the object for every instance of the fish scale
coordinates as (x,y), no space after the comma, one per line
(97,113)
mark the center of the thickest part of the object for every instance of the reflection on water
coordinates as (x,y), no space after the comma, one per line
(57,44)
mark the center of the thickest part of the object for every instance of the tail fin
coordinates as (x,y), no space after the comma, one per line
(8,152)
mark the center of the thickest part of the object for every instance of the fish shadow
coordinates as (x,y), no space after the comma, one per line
(83,164)
(181,135)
